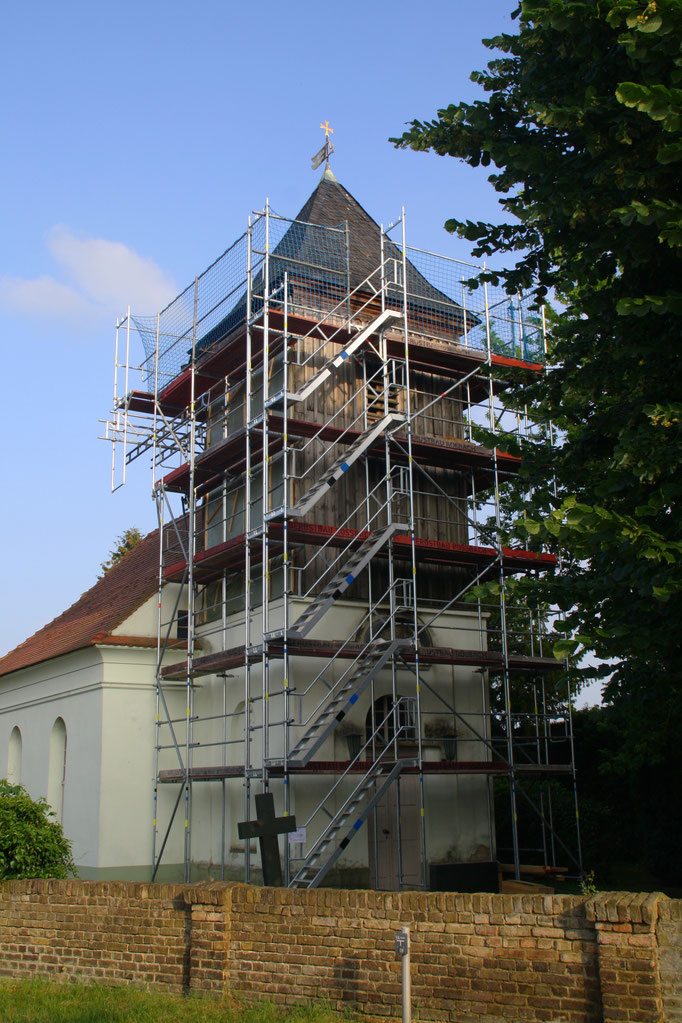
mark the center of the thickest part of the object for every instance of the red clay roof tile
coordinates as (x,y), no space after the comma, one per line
(99,611)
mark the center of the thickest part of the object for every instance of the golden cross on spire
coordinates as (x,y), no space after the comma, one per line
(327,149)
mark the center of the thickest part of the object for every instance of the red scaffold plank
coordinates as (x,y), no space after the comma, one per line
(227,357)
(224,660)
(230,553)
(229,454)
(337,767)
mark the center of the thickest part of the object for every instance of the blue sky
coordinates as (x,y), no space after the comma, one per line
(137,139)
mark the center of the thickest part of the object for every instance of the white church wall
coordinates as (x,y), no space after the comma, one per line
(127,759)
(33,699)
(14,756)
(457,807)
(106,697)
(143,621)
(128,764)
(171,868)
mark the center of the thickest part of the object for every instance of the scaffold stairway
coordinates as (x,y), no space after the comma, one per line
(326,851)
(338,585)
(341,700)
(333,364)
(343,463)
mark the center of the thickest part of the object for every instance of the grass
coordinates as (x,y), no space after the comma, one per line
(42,1001)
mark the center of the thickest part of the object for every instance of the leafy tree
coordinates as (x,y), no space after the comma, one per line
(631,832)
(583,122)
(31,843)
(126,542)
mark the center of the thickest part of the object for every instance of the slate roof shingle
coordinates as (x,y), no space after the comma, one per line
(332,206)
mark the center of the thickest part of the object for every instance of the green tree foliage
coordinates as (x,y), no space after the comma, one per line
(630,823)
(126,542)
(583,122)
(32,843)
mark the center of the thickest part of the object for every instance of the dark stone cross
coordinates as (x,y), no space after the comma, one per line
(266,828)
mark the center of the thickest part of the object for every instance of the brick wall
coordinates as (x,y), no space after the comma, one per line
(92,931)
(475,958)
(669,934)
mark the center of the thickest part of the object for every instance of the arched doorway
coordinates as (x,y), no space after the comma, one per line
(394,834)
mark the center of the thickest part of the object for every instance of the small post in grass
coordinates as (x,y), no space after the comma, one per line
(402,949)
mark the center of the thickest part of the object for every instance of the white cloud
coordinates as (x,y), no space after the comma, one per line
(42,296)
(100,279)
(110,273)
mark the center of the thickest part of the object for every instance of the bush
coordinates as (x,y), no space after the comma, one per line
(32,843)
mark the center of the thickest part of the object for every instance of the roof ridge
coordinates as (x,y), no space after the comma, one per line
(121,591)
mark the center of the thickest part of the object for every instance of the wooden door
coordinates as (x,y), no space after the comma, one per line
(388,835)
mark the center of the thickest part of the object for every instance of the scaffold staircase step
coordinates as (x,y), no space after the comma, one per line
(332,364)
(326,851)
(341,700)
(338,585)
(343,463)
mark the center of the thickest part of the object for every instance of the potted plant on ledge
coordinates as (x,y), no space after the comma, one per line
(445,730)
(353,734)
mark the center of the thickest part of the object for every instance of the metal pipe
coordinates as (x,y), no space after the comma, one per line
(285,575)
(191,543)
(413,553)
(265,469)
(247,552)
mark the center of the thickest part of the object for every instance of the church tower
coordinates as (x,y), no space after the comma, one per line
(311,405)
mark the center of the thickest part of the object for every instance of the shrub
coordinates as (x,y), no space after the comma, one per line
(32,842)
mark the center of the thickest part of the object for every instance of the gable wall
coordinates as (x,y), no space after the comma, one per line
(127,757)
(106,697)
(69,687)
(457,808)
(144,621)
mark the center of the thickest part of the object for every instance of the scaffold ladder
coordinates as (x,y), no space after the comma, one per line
(342,698)
(343,464)
(338,585)
(356,808)
(318,378)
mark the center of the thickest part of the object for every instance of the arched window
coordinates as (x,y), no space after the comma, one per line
(14,757)
(57,769)
(378,628)
(380,718)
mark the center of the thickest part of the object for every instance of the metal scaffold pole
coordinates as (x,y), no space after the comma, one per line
(115,409)
(265,507)
(191,524)
(413,556)
(157,707)
(503,609)
(155,433)
(285,573)
(247,548)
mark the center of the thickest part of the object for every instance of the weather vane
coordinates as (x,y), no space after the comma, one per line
(327,148)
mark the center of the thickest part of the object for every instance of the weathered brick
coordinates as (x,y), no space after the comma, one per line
(478,958)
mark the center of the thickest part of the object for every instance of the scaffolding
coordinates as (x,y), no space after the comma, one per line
(309,407)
